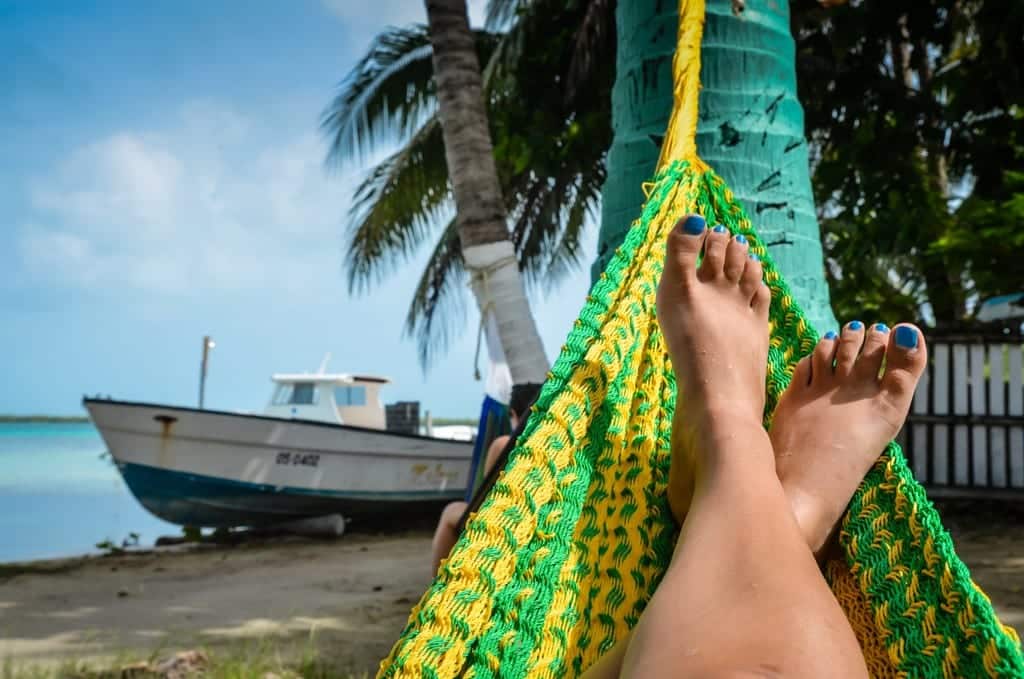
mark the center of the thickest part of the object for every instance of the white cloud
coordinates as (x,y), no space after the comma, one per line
(122,175)
(363,15)
(376,15)
(213,203)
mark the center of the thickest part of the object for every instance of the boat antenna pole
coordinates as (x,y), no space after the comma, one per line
(207,345)
(323,363)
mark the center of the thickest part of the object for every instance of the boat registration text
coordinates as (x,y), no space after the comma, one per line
(299,459)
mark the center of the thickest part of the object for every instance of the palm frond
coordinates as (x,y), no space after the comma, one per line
(501,59)
(595,42)
(501,13)
(388,91)
(564,256)
(438,306)
(548,224)
(527,28)
(550,201)
(396,206)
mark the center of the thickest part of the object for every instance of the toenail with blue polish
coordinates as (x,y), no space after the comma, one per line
(855,325)
(755,257)
(694,225)
(741,239)
(881,327)
(719,229)
(906,337)
(831,335)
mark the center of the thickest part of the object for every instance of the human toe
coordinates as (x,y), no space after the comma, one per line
(712,267)
(736,258)
(752,277)
(906,357)
(683,247)
(851,339)
(823,357)
(869,363)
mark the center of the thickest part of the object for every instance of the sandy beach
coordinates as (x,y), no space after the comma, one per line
(348,598)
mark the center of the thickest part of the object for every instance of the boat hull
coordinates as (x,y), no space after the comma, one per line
(217,469)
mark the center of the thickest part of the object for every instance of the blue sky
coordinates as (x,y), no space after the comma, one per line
(162,177)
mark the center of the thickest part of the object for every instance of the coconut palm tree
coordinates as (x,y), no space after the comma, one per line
(547,101)
(750,130)
(480,217)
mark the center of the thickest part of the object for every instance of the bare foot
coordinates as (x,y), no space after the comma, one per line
(715,322)
(832,423)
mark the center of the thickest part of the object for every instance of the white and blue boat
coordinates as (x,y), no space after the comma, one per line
(321,447)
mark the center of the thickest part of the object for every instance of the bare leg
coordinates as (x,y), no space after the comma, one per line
(829,428)
(743,593)
(446,534)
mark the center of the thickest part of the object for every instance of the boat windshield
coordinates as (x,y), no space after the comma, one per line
(297,394)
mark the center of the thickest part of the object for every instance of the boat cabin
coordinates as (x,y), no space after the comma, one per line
(339,399)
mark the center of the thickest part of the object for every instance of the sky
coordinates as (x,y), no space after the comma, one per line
(162,178)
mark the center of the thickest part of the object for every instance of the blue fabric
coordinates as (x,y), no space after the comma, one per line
(494,422)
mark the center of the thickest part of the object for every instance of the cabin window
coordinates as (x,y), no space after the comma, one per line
(298,394)
(282,394)
(350,396)
(303,395)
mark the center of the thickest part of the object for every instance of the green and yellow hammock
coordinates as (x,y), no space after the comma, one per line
(567,548)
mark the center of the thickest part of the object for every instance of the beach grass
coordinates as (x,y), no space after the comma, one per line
(259,661)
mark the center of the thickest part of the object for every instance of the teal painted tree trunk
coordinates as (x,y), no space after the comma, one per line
(750,130)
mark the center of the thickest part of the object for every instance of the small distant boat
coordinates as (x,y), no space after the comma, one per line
(321,447)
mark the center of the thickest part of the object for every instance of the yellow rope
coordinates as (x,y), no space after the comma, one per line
(680,141)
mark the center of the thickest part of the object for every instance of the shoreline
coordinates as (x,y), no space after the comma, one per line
(242,537)
(44,419)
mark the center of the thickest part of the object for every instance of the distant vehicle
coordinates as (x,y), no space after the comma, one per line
(321,447)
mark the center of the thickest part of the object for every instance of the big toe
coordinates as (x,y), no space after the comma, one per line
(683,247)
(905,359)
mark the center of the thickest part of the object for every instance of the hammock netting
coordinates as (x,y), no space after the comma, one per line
(570,543)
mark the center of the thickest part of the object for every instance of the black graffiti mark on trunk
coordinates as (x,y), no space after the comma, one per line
(773,107)
(771,181)
(728,135)
(762,207)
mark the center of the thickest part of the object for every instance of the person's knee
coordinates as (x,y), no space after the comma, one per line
(446,534)
(451,514)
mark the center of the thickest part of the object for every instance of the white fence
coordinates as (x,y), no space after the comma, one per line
(965,433)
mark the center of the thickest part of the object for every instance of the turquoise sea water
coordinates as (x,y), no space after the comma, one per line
(60,495)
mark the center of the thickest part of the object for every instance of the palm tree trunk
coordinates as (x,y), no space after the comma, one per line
(750,130)
(481,219)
